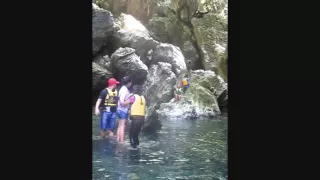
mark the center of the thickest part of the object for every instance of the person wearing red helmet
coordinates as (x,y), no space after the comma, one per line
(106,106)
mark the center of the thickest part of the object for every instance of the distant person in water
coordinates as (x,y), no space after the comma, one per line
(185,83)
(137,115)
(123,106)
(178,92)
(106,106)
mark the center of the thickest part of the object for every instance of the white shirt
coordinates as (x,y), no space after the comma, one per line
(123,94)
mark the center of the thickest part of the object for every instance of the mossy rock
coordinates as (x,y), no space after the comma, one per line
(203,98)
(132,176)
(209,80)
(102,4)
(211,32)
(223,67)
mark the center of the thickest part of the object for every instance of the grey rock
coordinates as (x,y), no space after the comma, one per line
(158,89)
(191,54)
(104,62)
(100,76)
(138,40)
(171,54)
(102,27)
(209,80)
(125,62)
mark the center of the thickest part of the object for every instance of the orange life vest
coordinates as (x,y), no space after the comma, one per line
(184,82)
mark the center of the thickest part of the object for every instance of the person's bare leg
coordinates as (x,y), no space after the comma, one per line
(102,134)
(123,127)
(118,132)
(121,130)
(110,133)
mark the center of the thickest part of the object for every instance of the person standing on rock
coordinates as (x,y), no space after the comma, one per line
(106,106)
(185,83)
(178,92)
(137,115)
(123,106)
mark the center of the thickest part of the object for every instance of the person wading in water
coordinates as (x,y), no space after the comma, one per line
(123,107)
(106,106)
(137,115)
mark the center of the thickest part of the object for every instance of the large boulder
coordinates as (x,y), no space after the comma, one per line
(200,99)
(100,76)
(171,30)
(102,27)
(211,33)
(204,99)
(125,62)
(158,89)
(137,40)
(133,34)
(171,54)
(209,80)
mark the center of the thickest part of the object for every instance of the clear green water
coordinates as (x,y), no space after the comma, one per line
(183,149)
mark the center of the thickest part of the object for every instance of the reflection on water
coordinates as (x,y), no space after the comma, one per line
(183,149)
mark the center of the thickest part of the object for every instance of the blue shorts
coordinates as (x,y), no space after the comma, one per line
(108,120)
(122,114)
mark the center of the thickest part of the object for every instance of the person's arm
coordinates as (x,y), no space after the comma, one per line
(124,102)
(102,95)
(97,112)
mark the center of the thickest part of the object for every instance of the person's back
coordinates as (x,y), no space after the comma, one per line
(185,83)
(137,115)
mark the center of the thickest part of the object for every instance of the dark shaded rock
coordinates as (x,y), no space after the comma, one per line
(126,62)
(100,77)
(104,62)
(102,28)
(158,89)
(223,101)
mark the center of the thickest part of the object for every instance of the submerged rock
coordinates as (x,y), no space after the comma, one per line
(126,62)
(132,176)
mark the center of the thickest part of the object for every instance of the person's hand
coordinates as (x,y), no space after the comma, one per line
(97,112)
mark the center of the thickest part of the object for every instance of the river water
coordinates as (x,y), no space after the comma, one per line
(183,149)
